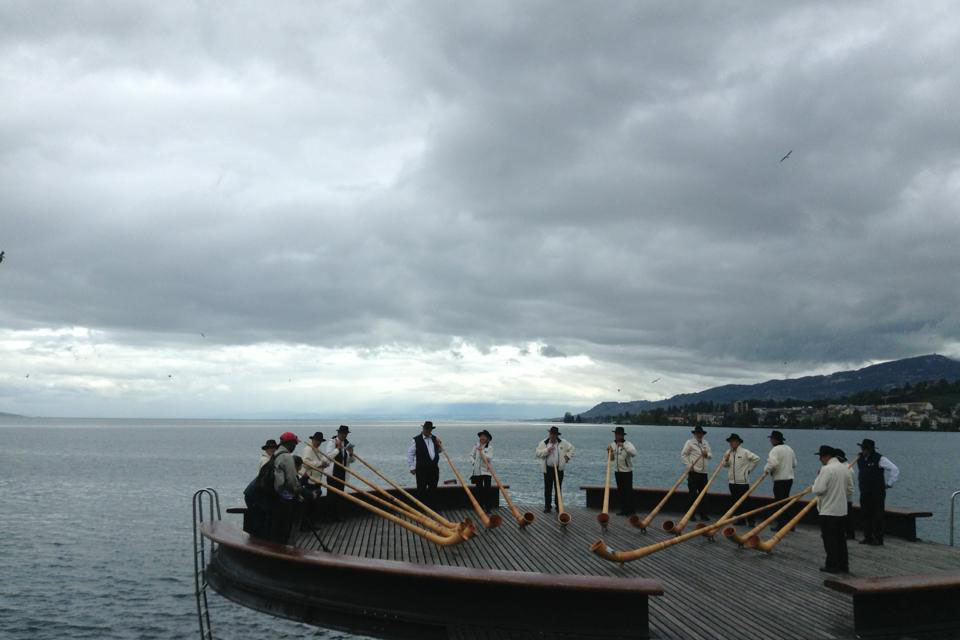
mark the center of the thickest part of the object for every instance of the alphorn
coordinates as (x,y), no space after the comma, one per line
(562,516)
(767,545)
(488,521)
(739,501)
(465,527)
(433,514)
(449,526)
(731,534)
(600,548)
(677,528)
(645,522)
(455,537)
(522,519)
(604,516)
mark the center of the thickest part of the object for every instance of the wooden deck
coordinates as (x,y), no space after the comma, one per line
(713,590)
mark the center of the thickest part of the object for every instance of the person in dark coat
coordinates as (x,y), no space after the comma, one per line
(876,473)
(423,458)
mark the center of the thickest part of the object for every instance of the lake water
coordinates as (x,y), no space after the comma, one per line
(95,515)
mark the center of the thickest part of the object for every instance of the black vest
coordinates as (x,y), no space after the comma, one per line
(870,474)
(424,461)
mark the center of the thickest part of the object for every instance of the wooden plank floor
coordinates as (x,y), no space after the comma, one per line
(713,590)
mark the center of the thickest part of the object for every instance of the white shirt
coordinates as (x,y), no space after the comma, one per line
(890,471)
(412,451)
(332,448)
(311,457)
(834,487)
(692,450)
(741,462)
(556,454)
(623,453)
(480,469)
(264,459)
(781,463)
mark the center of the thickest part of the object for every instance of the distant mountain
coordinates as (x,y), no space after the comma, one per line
(879,376)
(10,415)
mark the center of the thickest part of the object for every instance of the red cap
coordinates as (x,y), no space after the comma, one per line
(289,437)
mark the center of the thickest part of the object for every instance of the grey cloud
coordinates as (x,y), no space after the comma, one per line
(550,351)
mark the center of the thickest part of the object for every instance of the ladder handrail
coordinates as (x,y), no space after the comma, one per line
(953,500)
(200,555)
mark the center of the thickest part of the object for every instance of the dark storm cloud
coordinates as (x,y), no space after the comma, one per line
(605,181)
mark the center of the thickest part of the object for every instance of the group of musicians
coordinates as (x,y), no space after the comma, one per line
(325,462)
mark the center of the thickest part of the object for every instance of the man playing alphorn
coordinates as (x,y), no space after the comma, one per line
(781,466)
(741,463)
(341,450)
(553,452)
(480,476)
(423,457)
(696,451)
(623,453)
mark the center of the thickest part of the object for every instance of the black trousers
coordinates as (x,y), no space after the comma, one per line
(484,495)
(548,482)
(781,490)
(625,490)
(696,481)
(737,490)
(848,523)
(872,507)
(335,500)
(833,532)
(281,520)
(427,480)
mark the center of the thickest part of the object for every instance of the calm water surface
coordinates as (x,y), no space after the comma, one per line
(95,530)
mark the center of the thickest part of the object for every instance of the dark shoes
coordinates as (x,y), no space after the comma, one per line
(834,570)
(872,542)
(546,509)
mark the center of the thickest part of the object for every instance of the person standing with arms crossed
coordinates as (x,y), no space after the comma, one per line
(781,467)
(696,451)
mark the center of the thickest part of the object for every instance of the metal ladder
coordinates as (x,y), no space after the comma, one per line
(201,551)
(953,500)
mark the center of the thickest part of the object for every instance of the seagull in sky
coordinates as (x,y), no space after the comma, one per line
(2,253)
(202,336)
(786,156)
(654,381)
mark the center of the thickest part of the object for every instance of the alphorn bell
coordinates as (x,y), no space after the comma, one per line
(488,521)
(645,522)
(731,534)
(677,528)
(600,548)
(522,519)
(604,516)
(739,501)
(767,545)
(562,516)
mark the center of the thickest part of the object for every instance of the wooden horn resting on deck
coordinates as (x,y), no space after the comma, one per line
(488,521)
(767,545)
(433,514)
(522,519)
(442,522)
(645,522)
(736,504)
(677,529)
(455,537)
(466,528)
(562,516)
(600,548)
(731,534)
(604,516)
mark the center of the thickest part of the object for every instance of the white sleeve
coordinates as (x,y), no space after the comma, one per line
(542,449)
(820,484)
(890,471)
(773,461)
(630,449)
(707,451)
(685,453)
(412,455)
(488,454)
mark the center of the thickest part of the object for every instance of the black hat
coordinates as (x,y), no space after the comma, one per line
(343,429)
(427,425)
(698,429)
(555,430)
(867,444)
(841,455)
(318,436)
(734,436)
(776,435)
(619,430)
(270,444)
(485,433)
(826,450)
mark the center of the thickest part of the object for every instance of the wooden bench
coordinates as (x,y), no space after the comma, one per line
(903,604)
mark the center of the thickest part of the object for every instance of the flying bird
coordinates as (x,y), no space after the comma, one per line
(202,336)
(2,253)
(786,156)
(28,375)
(169,376)
(654,381)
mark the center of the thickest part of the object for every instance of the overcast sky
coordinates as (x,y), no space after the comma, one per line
(215,208)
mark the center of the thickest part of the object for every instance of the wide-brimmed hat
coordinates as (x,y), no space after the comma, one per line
(270,444)
(867,444)
(734,436)
(841,455)
(776,435)
(555,430)
(698,429)
(427,425)
(485,433)
(619,430)
(318,436)
(826,450)
(343,429)
(287,436)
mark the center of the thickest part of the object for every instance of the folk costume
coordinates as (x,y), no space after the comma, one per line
(781,466)
(875,474)
(553,454)
(480,475)
(834,488)
(696,452)
(339,449)
(423,458)
(741,463)
(623,453)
